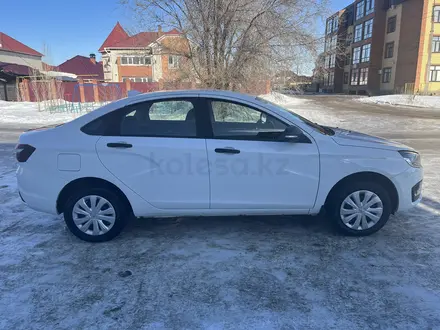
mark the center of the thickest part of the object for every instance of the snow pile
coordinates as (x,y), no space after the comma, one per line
(420,101)
(27,113)
(304,108)
(283,100)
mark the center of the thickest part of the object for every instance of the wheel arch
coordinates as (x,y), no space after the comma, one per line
(91,182)
(368,176)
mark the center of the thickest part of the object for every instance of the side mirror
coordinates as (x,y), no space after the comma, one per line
(295,135)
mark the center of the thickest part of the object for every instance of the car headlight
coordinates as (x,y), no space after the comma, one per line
(412,158)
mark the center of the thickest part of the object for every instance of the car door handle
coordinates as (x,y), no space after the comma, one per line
(227,151)
(121,145)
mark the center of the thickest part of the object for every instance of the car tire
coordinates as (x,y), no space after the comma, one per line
(104,222)
(376,215)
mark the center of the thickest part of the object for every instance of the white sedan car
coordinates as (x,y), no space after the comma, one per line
(211,153)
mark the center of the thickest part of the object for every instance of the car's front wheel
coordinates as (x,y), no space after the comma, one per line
(95,214)
(360,208)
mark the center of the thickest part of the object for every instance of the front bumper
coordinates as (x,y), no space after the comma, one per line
(416,191)
(409,188)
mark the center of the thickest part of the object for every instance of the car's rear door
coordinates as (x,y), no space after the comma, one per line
(155,149)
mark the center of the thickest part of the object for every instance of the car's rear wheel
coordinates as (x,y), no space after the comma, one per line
(360,208)
(95,214)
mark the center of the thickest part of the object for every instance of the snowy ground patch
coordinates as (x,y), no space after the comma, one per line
(283,100)
(27,113)
(420,101)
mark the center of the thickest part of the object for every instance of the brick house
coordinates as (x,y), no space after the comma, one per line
(86,68)
(143,57)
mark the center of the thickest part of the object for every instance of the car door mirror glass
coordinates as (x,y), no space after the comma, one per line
(295,135)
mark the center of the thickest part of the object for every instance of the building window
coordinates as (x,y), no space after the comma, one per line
(389,49)
(386,75)
(335,24)
(173,61)
(368,29)
(436,44)
(356,55)
(332,61)
(347,59)
(358,33)
(349,39)
(137,79)
(333,42)
(135,60)
(363,77)
(354,77)
(434,73)
(346,77)
(331,78)
(360,9)
(369,6)
(391,25)
(366,50)
(437,14)
(329,25)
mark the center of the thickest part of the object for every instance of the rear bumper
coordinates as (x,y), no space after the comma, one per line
(407,185)
(37,191)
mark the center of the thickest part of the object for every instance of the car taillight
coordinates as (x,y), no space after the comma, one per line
(23,152)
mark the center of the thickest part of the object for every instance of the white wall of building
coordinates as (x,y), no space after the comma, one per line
(22,59)
(111,72)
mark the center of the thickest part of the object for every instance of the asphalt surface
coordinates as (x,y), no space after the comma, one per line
(421,140)
(224,273)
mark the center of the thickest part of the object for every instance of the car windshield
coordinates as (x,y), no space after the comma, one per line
(322,129)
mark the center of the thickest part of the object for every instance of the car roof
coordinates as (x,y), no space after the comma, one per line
(192,92)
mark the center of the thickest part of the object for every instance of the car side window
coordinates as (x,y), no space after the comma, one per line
(237,121)
(165,118)
(174,118)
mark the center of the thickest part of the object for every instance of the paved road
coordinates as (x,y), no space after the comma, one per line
(421,140)
(339,102)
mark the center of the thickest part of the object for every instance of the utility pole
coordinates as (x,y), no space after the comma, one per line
(428,64)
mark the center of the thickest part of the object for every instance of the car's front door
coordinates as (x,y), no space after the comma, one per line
(251,169)
(154,148)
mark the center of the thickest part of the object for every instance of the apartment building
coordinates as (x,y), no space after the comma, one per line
(428,66)
(143,57)
(338,36)
(382,47)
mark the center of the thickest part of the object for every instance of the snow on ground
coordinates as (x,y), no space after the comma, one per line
(283,100)
(420,101)
(224,272)
(370,123)
(27,113)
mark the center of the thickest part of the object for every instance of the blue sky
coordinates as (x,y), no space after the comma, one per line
(69,27)
(339,4)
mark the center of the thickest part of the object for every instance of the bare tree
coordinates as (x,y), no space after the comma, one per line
(233,43)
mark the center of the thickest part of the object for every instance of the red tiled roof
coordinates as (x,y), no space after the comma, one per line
(173,31)
(118,33)
(10,44)
(83,67)
(142,39)
(118,38)
(15,69)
